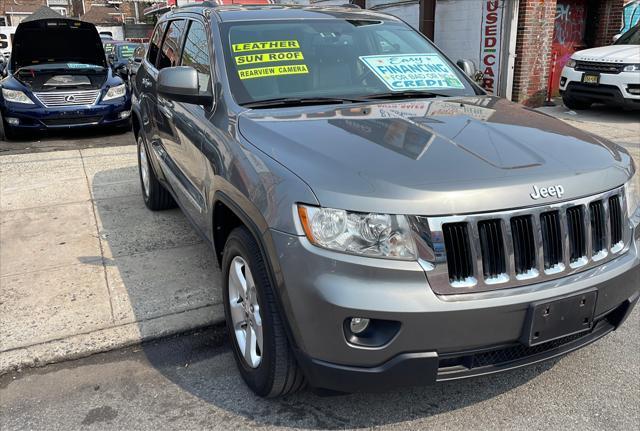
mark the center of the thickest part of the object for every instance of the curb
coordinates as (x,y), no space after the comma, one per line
(107,339)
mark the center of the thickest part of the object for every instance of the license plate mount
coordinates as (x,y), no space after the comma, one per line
(557,318)
(591,78)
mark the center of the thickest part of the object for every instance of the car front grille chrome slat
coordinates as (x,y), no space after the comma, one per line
(480,252)
(51,99)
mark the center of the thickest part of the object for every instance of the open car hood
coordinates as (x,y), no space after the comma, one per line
(56,41)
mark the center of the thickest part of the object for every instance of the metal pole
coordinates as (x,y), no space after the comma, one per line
(427,17)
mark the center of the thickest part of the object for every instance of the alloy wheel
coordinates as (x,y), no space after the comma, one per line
(245,312)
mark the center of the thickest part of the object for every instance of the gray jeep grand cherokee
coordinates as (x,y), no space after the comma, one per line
(378,219)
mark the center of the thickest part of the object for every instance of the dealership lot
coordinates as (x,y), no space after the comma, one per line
(86,268)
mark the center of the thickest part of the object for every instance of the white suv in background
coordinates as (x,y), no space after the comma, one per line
(608,74)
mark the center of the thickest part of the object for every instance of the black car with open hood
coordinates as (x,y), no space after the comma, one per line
(59,77)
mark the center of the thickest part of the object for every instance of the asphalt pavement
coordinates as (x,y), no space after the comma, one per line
(190,382)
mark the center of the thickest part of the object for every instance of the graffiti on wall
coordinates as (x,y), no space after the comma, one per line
(568,36)
(631,15)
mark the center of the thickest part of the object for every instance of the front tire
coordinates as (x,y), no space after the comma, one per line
(575,104)
(260,345)
(155,196)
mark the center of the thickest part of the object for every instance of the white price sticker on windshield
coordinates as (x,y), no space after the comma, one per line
(412,71)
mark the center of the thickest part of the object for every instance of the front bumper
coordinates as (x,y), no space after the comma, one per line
(35,117)
(439,338)
(613,89)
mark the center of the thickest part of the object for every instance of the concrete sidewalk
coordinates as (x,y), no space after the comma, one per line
(85,267)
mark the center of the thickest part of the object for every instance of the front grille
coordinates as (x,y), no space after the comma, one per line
(68,98)
(551,239)
(524,250)
(493,264)
(598,67)
(615,220)
(577,240)
(598,227)
(490,251)
(72,121)
(459,251)
(505,355)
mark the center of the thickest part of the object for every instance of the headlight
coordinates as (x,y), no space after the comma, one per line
(632,196)
(571,63)
(631,68)
(367,234)
(16,96)
(115,92)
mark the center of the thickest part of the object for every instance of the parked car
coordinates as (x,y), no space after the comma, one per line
(65,83)
(136,60)
(608,74)
(379,220)
(121,57)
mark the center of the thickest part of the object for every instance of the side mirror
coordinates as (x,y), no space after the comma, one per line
(180,83)
(111,58)
(467,66)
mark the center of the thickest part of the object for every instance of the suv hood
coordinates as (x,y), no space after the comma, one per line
(435,157)
(610,54)
(67,40)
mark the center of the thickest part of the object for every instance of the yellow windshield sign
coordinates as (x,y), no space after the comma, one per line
(269,57)
(261,46)
(262,72)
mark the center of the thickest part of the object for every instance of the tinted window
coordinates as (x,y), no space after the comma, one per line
(154,43)
(169,54)
(196,54)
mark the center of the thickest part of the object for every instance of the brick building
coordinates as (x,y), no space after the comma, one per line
(549,31)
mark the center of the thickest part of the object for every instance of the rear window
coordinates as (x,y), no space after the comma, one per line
(170,52)
(154,43)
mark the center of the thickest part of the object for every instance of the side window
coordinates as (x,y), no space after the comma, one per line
(154,43)
(170,51)
(196,54)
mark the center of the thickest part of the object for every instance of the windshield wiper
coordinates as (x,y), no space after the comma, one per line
(415,94)
(301,101)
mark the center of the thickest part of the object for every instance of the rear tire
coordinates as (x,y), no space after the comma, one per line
(273,370)
(575,104)
(155,196)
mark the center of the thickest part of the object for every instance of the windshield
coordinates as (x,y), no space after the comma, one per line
(334,58)
(126,50)
(631,37)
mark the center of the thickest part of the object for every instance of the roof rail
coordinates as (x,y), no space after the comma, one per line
(351,5)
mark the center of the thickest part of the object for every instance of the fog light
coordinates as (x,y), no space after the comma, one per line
(124,114)
(358,325)
(12,121)
(635,91)
(563,80)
